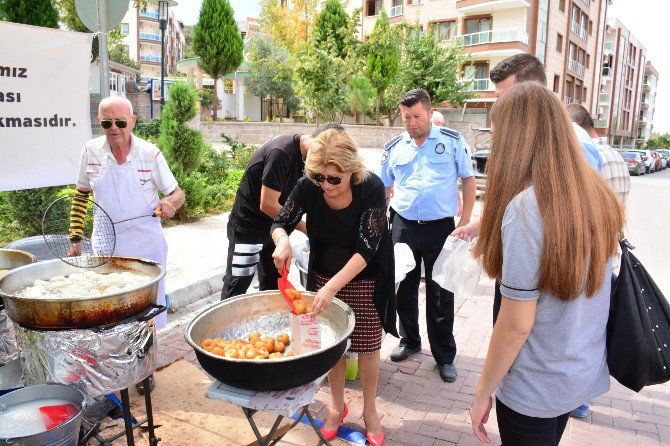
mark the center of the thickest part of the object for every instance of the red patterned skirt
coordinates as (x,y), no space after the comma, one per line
(367,334)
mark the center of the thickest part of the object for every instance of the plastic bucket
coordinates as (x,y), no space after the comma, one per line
(66,434)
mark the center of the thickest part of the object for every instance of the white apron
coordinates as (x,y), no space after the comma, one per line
(118,192)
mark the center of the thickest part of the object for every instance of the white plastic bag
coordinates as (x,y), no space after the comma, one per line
(404,261)
(455,269)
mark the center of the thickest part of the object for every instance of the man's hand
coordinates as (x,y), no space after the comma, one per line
(165,209)
(75,250)
(467,229)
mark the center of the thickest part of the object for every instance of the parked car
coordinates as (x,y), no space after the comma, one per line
(649,162)
(665,157)
(658,166)
(634,161)
(480,156)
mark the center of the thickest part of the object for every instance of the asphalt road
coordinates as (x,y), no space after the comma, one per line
(648,215)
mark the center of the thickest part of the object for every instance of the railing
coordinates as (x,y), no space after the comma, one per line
(587,3)
(494,36)
(481,85)
(568,100)
(607,72)
(574,26)
(608,47)
(396,11)
(604,98)
(583,34)
(146,58)
(576,67)
(150,36)
(149,14)
(642,119)
(600,123)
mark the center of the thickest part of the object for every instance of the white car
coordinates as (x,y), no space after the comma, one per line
(647,158)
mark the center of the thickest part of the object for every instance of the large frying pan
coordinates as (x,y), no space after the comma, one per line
(265,311)
(75,312)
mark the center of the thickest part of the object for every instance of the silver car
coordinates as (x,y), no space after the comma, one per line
(634,161)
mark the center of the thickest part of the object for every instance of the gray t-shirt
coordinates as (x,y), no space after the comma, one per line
(563,363)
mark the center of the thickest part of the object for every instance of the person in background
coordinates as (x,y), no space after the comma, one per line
(422,166)
(547,235)
(438,120)
(615,172)
(272,173)
(351,258)
(125,173)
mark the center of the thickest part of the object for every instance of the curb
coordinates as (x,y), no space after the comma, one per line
(201,288)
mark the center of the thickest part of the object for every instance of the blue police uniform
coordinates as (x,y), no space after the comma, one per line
(424,204)
(588,147)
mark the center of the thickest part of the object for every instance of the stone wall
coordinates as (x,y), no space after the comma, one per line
(259,132)
(142,106)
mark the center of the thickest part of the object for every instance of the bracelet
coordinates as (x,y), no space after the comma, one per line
(279,238)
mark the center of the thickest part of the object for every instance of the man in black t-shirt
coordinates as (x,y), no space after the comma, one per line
(272,173)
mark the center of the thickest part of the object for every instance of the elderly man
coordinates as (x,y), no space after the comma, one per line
(423,165)
(125,174)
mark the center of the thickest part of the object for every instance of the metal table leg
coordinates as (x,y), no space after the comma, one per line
(125,402)
(153,440)
(269,440)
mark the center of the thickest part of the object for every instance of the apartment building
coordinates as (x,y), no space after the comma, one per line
(621,91)
(645,120)
(143,38)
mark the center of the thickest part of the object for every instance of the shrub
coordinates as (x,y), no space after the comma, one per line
(148,130)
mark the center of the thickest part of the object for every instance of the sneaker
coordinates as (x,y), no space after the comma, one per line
(580,412)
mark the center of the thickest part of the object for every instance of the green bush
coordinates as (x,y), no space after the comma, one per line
(148,130)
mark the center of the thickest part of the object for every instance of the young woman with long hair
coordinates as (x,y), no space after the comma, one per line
(549,228)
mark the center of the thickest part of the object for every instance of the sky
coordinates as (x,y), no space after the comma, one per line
(646,19)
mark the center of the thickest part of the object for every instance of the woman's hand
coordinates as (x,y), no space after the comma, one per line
(282,254)
(323,299)
(479,414)
(467,229)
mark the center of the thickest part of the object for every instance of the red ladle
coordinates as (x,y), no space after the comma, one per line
(284,284)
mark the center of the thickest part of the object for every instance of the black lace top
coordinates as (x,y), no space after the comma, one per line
(366,226)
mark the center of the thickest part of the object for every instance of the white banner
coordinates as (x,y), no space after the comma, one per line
(44,105)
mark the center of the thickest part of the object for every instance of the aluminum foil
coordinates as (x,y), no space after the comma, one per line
(8,349)
(97,363)
(272,324)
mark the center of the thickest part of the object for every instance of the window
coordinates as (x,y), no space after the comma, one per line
(559,43)
(561,5)
(125,28)
(414,2)
(373,7)
(228,86)
(557,83)
(588,60)
(590,27)
(445,31)
(415,32)
(477,25)
(584,94)
(396,8)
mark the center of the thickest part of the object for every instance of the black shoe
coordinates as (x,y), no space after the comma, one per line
(403,352)
(447,372)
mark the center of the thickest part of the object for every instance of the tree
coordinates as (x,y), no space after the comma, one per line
(217,41)
(383,58)
(270,71)
(31,12)
(658,142)
(118,52)
(291,26)
(427,64)
(360,96)
(333,22)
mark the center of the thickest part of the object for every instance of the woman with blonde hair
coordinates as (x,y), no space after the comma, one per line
(351,258)
(549,229)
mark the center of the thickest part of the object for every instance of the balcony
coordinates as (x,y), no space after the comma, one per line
(149,14)
(646,85)
(587,3)
(494,36)
(481,85)
(604,98)
(644,103)
(576,67)
(396,11)
(608,72)
(151,37)
(642,121)
(600,123)
(149,58)
(608,48)
(567,100)
(579,30)
(488,6)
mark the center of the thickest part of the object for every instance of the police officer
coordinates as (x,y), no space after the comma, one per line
(420,169)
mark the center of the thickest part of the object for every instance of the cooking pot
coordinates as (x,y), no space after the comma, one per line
(267,313)
(13,258)
(73,311)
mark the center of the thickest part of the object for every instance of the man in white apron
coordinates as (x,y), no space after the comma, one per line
(125,173)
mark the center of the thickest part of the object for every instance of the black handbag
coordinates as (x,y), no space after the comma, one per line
(638,329)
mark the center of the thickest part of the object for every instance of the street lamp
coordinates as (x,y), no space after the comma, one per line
(163,17)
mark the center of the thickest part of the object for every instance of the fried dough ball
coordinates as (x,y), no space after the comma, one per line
(299,306)
(295,294)
(259,344)
(284,339)
(251,353)
(279,347)
(232,353)
(275,355)
(260,357)
(263,352)
(208,344)
(290,353)
(218,351)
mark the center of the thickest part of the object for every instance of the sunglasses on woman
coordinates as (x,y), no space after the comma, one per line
(107,123)
(320,178)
